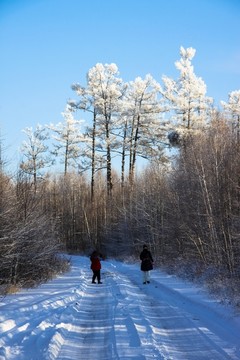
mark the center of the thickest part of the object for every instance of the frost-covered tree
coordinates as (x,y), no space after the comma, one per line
(186,97)
(106,90)
(101,97)
(232,110)
(86,103)
(143,124)
(35,152)
(68,139)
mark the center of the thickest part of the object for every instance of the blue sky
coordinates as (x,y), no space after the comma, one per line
(46,45)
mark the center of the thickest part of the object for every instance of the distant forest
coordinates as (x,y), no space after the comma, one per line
(184,203)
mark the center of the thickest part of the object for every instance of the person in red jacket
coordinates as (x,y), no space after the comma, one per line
(96,267)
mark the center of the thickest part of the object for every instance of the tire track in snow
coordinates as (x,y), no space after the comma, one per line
(91,332)
(72,319)
(176,333)
(132,329)
(21,338)
(122,319)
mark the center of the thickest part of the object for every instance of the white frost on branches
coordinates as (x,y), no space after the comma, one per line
(67,139)
(232,108)
(186,97)
(35,151)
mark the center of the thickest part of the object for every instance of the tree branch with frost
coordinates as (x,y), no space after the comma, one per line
(142,110)
(35,151)
(232,109)
(68,139)
(186,99)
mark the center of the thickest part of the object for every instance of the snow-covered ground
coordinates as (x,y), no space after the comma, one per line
(70,318)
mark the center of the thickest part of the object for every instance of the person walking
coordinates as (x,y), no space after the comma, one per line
(146,264)
(96,267)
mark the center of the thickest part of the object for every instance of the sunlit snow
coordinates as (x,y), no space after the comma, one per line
(70,318)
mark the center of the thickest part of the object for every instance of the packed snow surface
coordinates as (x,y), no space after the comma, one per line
(71,318)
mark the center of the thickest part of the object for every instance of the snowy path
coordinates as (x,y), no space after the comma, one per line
(70,318)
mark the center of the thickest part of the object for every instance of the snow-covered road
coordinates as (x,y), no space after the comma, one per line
(70,318)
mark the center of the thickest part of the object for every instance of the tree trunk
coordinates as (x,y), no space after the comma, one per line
(93,154)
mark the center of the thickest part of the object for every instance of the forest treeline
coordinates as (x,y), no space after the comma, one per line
(185,203)
(189,212)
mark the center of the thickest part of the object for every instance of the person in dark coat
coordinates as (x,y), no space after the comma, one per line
(96,267)
(146,264)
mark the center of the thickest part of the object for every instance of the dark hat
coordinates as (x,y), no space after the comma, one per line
(144,246)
